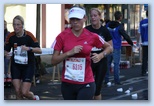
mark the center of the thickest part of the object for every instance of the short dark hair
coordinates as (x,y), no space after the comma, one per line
(117,15)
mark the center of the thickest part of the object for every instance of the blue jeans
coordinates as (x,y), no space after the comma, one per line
(115,56)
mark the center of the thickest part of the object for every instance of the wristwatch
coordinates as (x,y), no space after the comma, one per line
(30,49)
(105,54)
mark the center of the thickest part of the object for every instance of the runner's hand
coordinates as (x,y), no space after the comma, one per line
(95,57)
(23,47)
(75,50)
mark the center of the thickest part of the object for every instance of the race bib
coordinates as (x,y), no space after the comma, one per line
(20,56)
(75,69)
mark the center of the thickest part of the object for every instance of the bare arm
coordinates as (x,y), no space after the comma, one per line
(110,42)
(34,49)
(107,50)
(58,57)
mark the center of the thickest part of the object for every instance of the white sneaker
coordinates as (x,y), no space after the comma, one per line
(36,97)
(38,81)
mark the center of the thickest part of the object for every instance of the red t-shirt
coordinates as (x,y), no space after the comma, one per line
(66,40)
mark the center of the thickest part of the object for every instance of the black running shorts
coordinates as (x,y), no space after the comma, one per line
(23,72)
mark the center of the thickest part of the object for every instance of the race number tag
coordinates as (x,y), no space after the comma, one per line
(75,69)
(20,56)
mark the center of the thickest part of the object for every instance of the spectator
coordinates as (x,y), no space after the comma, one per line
(117,32)
(76,44)
(143,32)
(24,46)
(100,68)
(6,60)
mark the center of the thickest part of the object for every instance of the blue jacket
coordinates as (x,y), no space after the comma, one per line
(144,31)
(117,31)
(116,37)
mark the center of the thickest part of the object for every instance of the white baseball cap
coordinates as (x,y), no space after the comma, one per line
(76,12)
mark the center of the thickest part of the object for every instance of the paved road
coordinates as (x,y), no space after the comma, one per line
(48,90)
(133,81)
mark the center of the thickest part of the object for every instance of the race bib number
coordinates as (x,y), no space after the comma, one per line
(75,69)
(20,56)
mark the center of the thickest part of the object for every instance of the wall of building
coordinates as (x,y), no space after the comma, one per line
(11,10)
(25,10)
(53,19)
(53,22)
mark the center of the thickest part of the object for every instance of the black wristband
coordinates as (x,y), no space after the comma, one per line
(30,49)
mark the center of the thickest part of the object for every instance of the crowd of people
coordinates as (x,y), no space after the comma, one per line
(86,53)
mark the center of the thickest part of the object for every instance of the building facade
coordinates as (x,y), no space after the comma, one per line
(46,21)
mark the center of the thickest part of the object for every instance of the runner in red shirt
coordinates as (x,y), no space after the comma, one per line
(76,43)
